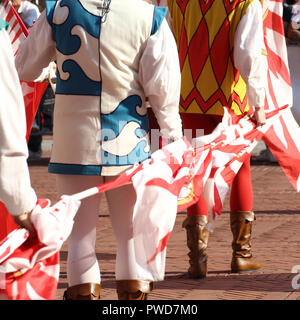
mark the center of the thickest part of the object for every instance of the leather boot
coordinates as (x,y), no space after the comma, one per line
(197,240)
(133,289)
(84,291)
(241,228)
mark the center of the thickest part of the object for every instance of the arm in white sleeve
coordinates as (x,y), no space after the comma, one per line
(36,51)
(248,44)
(160,76)
(15,187)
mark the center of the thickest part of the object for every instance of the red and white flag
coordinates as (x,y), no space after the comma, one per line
(173,179)
(32,91)
(29,267)
(283,137)
(169,182)
(17,29)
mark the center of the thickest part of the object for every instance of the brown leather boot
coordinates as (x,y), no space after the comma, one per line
(84,291)
(133,289)
(241,228)
(197,240)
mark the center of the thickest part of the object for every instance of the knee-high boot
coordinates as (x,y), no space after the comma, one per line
(84,291)
(133,289)
(241,228)
(197,241)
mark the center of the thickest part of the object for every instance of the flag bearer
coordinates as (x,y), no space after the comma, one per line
(110,55)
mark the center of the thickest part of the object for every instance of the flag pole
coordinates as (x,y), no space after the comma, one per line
(121,180)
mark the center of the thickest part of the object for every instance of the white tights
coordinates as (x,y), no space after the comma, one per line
(82,264)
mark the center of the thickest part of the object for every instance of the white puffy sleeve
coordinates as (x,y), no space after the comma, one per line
(15,187)
(160,76)
(248,44)
(36,51)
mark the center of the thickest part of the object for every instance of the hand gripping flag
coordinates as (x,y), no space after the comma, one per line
(29,266)
(32,92)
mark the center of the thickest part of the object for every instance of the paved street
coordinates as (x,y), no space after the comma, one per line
(275,241)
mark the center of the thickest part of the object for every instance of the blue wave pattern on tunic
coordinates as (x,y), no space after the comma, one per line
(78,83)
(112,125)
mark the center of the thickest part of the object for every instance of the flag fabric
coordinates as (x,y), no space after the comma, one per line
(282,138)
(233,146)
(170,181)
(29,266)
(17,30)
(174,178)
(32,93)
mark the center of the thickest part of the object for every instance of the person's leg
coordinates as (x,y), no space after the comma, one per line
(130,279)
(82,265)
(197,215)
(241,219)
(241,195)
(195,125)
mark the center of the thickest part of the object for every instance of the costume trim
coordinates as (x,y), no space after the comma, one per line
(158,17)
(3,24)
(80,169)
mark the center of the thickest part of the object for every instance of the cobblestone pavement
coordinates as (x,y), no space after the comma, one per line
(275,241)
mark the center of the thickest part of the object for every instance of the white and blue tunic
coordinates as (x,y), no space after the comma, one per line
(110,55)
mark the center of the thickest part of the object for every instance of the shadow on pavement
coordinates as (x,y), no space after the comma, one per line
(275,282)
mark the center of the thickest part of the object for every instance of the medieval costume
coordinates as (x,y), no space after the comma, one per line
(219,44)
(110,55)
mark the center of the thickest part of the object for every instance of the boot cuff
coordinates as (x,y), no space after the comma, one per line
(193,220)
(132,286)
(243,215)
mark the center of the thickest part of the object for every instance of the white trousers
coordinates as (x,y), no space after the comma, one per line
(82,263)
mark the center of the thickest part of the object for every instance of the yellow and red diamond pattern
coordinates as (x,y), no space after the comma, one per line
(209,78)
